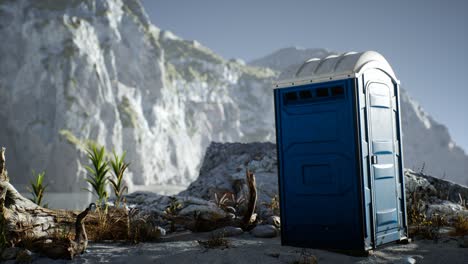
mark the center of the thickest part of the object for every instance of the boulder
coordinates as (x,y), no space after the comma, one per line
(264,231)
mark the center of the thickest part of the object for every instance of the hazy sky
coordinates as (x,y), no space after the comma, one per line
(426,42)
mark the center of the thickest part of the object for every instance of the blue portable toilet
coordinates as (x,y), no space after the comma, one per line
(340,164)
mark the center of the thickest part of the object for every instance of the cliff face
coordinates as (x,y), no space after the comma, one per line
(73,72)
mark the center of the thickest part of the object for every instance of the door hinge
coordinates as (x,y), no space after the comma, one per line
(374,159)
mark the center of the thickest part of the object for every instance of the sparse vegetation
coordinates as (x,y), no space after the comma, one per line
(128,115)
(222,201)
(98,173)
(216,241)
(37,188)
(274,205)
(173,210)
(229,202)
(461,226)
(118,186)
(306,258)
(142,228)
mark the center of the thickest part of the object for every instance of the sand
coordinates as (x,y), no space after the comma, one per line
(184,248)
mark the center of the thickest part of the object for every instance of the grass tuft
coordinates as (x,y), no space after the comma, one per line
(216,241)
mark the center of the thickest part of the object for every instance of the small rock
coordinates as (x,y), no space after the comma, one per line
(24,256)
(10,253)
(264,231)
(227,231)
(409,260)
(274,221)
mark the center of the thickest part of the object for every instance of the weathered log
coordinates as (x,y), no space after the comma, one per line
(60,247)
(24,222)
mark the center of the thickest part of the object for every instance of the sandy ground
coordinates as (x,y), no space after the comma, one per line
(246,249)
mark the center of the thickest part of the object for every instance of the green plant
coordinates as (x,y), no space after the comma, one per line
(118,167)
(37,188)
(98,179)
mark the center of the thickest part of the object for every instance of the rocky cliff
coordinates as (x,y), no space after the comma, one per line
(73,72)
(80,71)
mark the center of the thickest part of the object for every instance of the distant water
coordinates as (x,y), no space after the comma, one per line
(80,200)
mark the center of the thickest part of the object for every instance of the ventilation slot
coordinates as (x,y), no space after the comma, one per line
(305,94)
(290,97)
(316,95)
(322,92)
(337,91)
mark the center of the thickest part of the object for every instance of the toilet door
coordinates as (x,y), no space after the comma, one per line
(384,171)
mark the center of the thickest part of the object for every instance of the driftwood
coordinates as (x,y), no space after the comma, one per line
(26,224)
(60,247)
(245,222)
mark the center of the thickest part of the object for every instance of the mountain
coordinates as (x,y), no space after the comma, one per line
(74,72)
(282,59)
(428,146)
(81,71)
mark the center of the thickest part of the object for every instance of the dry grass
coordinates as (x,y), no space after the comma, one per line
(461,226)
(142,228)
(108,224)
(428,228)
(306,258)
(216,241)
(274,205)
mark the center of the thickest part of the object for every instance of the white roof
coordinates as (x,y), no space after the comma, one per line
(346,65)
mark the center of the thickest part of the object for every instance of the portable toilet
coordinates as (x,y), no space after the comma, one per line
(340,164)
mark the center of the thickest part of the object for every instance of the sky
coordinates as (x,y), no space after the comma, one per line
(426,42)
